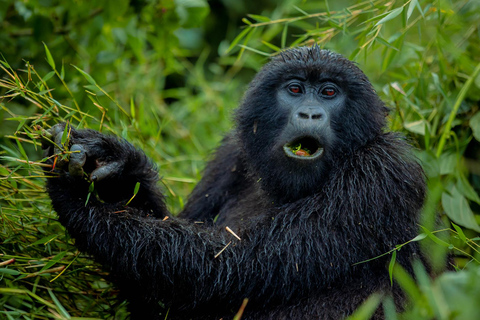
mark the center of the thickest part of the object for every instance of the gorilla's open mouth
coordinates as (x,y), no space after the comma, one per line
(305,148)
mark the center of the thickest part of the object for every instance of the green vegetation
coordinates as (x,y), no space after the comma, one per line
(167,74)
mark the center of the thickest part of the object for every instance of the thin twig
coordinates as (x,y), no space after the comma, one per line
(231,231)
(223,249)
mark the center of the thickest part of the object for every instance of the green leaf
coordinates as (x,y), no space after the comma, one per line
(22,151)
(420,10)
(411,7)
(259,18)
(238,38)
(459,291)
(283,42)
(421,236)
(91,188)
(425,285)
(5,63)
(459,230)
(88,199)
(465,188)
(475,125)
(448,163)
(137,187)
(9,271)
(367,308)
(86,75)
(48,76)
(457,208)
(461,96)
(54,260)
(135,191)
(21,124)
(246,21)
(417,127)
(3,171)
(272,46)
(65,135)
(391,265)
(436,239)
(132,108)
(394,13)
(50,60)
(255,50)
(385,43)
(389,308)
(60,308)
(62,72)
(44,240)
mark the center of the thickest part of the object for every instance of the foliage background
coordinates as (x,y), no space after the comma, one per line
(166,74)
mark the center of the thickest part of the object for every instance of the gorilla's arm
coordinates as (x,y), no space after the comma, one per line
(113,165)
(223,181)
(175,260)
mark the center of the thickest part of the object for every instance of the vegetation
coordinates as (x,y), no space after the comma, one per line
(166,76)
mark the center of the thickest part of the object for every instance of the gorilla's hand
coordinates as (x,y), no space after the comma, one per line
(80,157)
(83,153)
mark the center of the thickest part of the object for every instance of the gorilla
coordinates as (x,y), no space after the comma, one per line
(308,184)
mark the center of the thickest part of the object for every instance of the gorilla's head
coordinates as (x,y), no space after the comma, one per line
(305,110)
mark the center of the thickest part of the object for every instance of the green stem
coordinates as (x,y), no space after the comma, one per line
(460,98)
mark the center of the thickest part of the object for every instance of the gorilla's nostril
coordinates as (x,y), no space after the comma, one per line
(317,116)
(303,115)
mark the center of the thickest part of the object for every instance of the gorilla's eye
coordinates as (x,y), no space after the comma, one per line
(295,88)
(329,92)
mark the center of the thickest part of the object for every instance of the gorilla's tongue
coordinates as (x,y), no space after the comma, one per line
(303,148)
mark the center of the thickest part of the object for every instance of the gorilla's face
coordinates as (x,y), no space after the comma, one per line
(301,115)
(307,137)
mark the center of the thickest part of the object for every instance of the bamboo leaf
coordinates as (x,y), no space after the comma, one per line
(259,18)
(44,240)
(238,39)
(283,42)
(436,239)
(135,191)
(458,102)
(48,76)
(460,233)
(367,308)
(54,260)
(65,134)
(60,308)
(421,236)
(132,108)
(86,75)
(50,60)
(271,46)
(391,265)
(411,7)
(9,271)
(394,13)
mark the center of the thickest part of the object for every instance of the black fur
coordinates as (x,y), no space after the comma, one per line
(302,227)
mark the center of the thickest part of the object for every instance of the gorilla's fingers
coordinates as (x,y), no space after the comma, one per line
(50,138)
(105,171)
(58,143)
(77,160)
